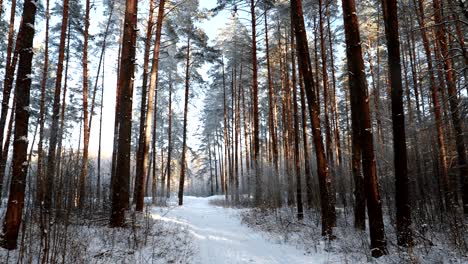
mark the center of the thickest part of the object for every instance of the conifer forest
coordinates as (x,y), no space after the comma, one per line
(233,131)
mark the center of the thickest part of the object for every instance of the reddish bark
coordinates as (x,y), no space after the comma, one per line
(454,101)
(20,164)
(51,161)
(120,185)
(309,85)
(360,110)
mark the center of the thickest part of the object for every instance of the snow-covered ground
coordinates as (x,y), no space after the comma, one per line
(200,232)
(221,238)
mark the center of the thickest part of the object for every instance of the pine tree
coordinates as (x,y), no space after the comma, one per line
(20,165)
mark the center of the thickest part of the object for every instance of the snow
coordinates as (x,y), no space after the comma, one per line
(221,238)
(200,232)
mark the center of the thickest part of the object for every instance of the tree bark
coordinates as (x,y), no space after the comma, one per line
(403,210)
(86,130)
(143,108)
(436,104)
(360,108)
(51,162)
(184,133)
(120,185)
(20,165)
(453,100)
(334,104)
(256,139)
(305,139)
(328,211)
(8,86)
(169,140)
(297,161)
(39,179)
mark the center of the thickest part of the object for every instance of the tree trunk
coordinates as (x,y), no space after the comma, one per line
(39,179)
(169,140)
(305,139)
(360,108)
(328,211)
(58,172)
(143,149)
(98,184)
(7,86)
(184,134)
(454,102)
(436,104)
(84,165)
(297,161)
(115,144)
(256,139)
(51,162)
(328,138)
(120,188)
(20,165)
(272,115)
(403,210)
(326,103)
(334,104)
(226,138)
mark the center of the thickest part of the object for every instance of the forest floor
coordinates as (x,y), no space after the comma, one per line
(220,237)
(207,231)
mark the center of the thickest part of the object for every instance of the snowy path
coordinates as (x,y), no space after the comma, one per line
(221,238)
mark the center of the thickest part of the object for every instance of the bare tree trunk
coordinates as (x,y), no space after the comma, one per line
(360,107)
(305,139)
(144,144)
(246,133)
(272,115)
(328,138)
(8,86)
(20,165)
(51,163)
(211,169)
(256,139)
(297,161)
(237,142)
(120,188)
(58,172)
(41,120)
(98,184)
(453,100)
(226,138)
(116,115)
(334,104)
(184,136)
(435,103)
(169,142)
(328,211)
(403,210)
(216,168)
(86,130)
